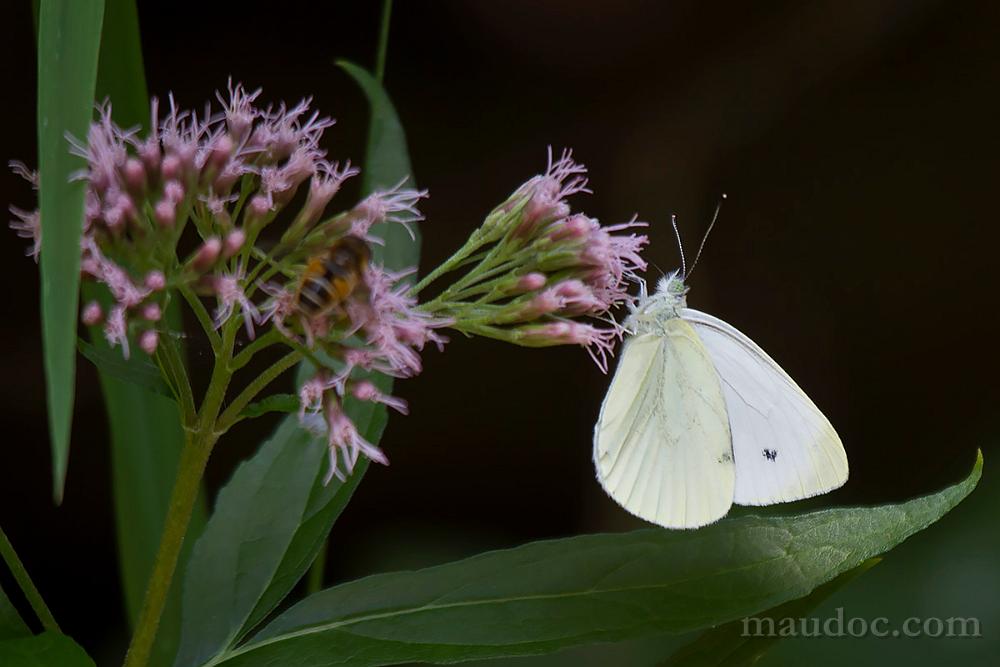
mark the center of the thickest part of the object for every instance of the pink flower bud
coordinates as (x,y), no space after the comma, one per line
(366,391)
(134,175)
(531,282)
(148,341)
(149,153)
(207,254)
(234,241)
(173,191)
(152,312)
(221,151)
(575,227)
(114,219)
(599,342)
(227,178)
(165,213)
(171,167)
(155,280)
(125,205)
(258,207)
(92,314)
(543,304)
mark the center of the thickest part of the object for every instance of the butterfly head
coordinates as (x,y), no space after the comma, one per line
(651,311)
(671,286)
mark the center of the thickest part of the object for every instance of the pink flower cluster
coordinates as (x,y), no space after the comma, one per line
(561,266)
(183,210)
(394,329)
(592,264)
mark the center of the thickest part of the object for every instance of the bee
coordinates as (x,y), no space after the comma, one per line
(332,276)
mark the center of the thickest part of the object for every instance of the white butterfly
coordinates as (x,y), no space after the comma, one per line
(698,417)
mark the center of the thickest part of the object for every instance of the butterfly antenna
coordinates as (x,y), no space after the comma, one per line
(680,246)
(715,216)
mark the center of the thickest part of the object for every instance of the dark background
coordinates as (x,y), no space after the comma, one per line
(857,142)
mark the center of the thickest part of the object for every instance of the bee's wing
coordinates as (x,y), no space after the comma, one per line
(785,448)
(661,443)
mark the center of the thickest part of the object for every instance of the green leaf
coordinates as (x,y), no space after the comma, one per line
(550,595)
(11,623)
(121,77)
(273,516)
(69,33)
(137,370)
(268,524)
(728,645)
(49,649)
(273,403)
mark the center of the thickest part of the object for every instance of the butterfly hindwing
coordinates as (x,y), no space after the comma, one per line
(785,448)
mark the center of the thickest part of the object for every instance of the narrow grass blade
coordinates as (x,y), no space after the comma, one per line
(69,33)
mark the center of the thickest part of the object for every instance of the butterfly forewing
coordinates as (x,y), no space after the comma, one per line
(785,448)
(662,440)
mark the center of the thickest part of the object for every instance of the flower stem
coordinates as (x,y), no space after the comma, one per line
(199,439)
(197,448)
(474,243)
(198,308)
(314,584)
(27,586)
(174,366)
(383,41)
(272,337)
(232,413)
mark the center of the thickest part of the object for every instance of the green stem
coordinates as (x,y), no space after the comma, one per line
(197,448)
(272,337)
(221,375)
(232,413)
(315,582)
(27,586)
(167,351)
(204,318)
(383,41)
(461,255)
(199,439)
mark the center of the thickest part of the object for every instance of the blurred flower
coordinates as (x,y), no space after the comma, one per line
(28,226)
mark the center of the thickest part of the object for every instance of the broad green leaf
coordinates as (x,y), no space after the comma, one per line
(11,623)
(238,570)
(49,649)
(243,567)
(550,595)
(69,32)
(137,371)
(145,429)
(273,403)
(730,645)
